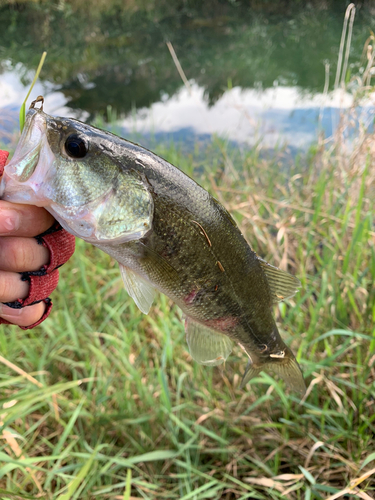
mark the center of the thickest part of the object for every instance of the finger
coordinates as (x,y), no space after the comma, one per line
(22,255)
(25,316)
(12,287)
(23,220)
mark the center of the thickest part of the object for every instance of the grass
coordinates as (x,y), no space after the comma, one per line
(102,402)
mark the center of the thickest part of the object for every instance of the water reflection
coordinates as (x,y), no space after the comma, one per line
(118,58)
(273,117)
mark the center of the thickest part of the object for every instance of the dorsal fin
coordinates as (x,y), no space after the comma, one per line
(282,284)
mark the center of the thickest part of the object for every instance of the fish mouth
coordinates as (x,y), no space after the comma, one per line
(21,181)
(26,156)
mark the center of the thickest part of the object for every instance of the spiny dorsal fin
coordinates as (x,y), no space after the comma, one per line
(282,284)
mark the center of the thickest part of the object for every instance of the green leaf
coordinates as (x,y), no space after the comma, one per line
(153,455)
(307,475)
(367,460)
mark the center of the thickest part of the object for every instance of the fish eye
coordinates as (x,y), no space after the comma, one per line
(75,146)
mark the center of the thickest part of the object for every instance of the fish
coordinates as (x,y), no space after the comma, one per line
(166,232)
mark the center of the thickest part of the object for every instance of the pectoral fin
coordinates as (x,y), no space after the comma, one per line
(282,284)
(138,288)
(206,346)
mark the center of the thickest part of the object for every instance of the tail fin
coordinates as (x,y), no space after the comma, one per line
(287,368)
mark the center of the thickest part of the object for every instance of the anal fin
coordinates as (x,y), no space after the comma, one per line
(206,346)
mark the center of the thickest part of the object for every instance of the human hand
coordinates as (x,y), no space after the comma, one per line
(20,252)
(28,261)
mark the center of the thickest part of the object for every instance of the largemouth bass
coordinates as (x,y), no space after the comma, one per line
(165,231)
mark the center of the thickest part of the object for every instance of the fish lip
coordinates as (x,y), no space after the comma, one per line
(26,155)
(21,181)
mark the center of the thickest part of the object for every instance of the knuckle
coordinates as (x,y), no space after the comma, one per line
(22,254)
(5,286)
(28,255)
(22,257)
(12,287)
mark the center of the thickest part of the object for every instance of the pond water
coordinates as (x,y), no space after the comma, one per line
(253,76)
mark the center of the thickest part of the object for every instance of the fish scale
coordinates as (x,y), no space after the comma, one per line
(166,232)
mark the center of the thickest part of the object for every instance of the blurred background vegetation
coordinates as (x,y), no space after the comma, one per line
(104,53)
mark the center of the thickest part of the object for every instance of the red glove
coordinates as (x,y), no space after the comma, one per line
(61,247)
(3,159)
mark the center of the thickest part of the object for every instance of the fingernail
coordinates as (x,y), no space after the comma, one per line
(9,221)
(9,313)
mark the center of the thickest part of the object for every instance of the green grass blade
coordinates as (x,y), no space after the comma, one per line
(72,487)
(367,460)
(23,107)
(128,486)
(307,475)
(22,115)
